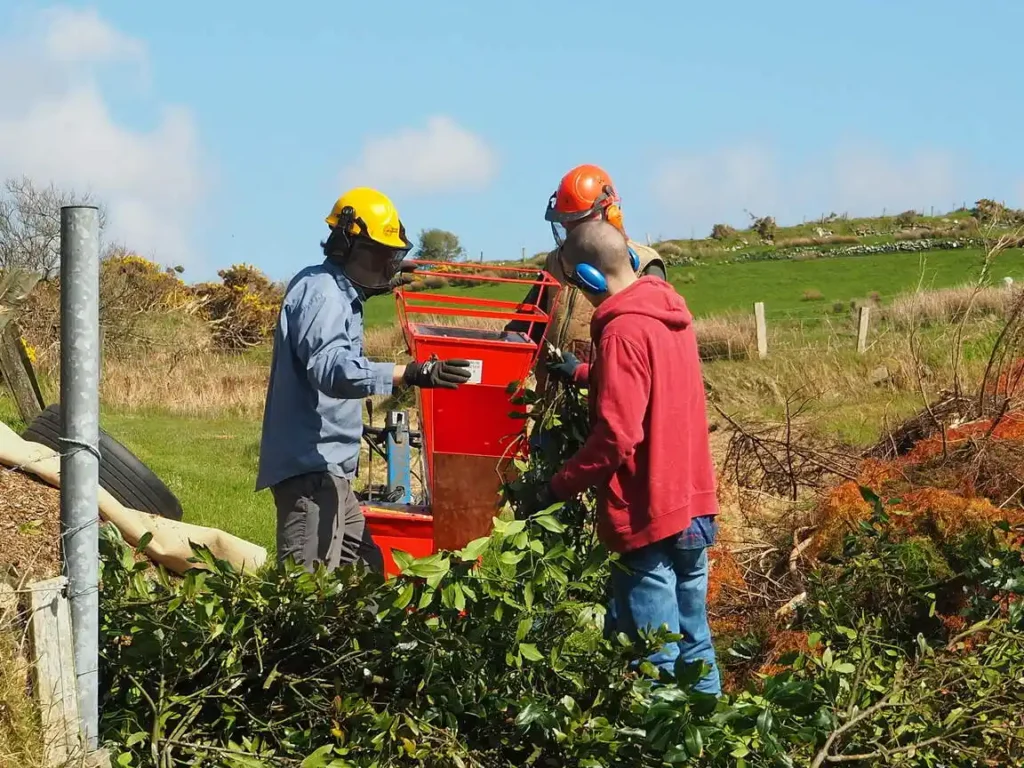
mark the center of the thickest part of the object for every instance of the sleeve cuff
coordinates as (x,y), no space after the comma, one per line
(384,378)
(581,375)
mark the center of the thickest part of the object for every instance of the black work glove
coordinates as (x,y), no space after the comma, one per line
(538,503)
(434,374)
(404,275)
(563,368)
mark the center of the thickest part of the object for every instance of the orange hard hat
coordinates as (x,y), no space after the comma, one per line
(582,192)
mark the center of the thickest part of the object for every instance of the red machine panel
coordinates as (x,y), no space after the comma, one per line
(475,420)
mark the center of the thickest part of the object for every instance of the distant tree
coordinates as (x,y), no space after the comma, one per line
(439,245)
(30,225)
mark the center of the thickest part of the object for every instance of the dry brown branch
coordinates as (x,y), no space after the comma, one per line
(947,410)
(799,547)
(781,458)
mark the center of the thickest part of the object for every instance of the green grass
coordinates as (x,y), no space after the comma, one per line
(209,464)
(722,288)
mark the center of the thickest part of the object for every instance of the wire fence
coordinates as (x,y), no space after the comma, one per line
(856,327)
(762,333)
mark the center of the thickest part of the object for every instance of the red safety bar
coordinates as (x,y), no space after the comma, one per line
(447,305)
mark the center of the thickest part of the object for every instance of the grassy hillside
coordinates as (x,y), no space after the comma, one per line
(763,236)
(814,285)
(811,285)
(837,231)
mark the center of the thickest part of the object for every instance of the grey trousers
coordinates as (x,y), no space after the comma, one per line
(319,521)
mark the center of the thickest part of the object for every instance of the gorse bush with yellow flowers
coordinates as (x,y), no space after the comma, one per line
(242,308)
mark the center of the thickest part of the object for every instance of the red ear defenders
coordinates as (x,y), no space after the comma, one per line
(589,278)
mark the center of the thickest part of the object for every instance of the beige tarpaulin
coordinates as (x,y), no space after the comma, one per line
(170,543)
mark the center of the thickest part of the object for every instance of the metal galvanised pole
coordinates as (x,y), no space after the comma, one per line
(79,462)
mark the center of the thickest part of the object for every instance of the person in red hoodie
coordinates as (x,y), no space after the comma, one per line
(647,454)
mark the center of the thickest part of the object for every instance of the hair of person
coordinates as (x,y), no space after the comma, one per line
(598,243)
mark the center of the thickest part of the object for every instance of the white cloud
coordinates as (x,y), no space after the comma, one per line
(698,190)
(55,126)
(442,156)
(73,35)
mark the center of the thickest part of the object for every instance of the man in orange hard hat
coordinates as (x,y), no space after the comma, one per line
(585,193)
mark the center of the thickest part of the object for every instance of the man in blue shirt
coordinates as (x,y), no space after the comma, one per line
(319,377)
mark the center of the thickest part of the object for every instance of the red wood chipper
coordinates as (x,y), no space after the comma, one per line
(467,437)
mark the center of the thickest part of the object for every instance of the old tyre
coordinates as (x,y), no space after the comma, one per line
(122,473)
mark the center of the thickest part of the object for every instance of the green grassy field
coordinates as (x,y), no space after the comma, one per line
(721,288)
(781,285)
(210,464)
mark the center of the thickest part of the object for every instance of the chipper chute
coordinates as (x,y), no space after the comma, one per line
(467,436)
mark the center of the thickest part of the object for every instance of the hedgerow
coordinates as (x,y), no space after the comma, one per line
(495,656)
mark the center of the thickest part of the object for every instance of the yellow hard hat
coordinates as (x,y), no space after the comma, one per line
(372,216)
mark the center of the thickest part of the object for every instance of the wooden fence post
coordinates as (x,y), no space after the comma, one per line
(862,329)
(17,372)
(15,367)
(762,330)
(54,670)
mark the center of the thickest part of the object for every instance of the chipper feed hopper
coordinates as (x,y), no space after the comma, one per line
(468,436)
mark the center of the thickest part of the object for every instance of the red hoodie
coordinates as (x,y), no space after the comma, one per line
(648,452)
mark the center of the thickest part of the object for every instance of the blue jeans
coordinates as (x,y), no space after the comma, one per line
(667,583)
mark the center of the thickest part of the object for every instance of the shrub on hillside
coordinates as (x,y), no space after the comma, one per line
(906,219)
(468,282)
(722,232)
(806,242)
(765,228)
(990,212)
(920,234)
(243,308)
(434,281)
(967,224)
(668,249)
(138,284)
(133,292)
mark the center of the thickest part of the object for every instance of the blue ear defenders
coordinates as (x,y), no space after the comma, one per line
(587,277)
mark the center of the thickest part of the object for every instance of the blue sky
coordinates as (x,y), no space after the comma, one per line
(221,132)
